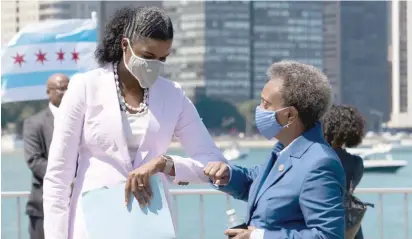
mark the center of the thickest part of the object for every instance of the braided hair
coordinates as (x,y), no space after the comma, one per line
(343,125)
(133,23)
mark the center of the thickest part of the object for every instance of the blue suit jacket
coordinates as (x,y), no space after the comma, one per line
(296,196)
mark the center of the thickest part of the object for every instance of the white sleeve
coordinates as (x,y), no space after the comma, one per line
(62,160)
(198,145)
(257,234)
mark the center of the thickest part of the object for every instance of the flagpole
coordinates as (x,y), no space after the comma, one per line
(100,19)
(94,16)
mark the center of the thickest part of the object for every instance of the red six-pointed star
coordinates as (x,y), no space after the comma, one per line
(41,56)
(75,56)
(60,55)
(19,59)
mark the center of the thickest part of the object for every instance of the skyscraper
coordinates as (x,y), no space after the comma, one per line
(283,30)
(226,46)
(401,58)
(16,14)
(211,47)
(355,56)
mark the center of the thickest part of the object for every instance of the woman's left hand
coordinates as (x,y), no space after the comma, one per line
(239,233)
(138,182)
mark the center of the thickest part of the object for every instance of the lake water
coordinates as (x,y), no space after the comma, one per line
(15,176)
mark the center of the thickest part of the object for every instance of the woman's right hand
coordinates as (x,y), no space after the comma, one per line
(138,183)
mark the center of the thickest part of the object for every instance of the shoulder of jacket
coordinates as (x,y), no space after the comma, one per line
(164,82)
(168,86)
(88,76)
(37,118)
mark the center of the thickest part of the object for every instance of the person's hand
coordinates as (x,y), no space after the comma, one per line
(239,233)
(138,182)
(218,172)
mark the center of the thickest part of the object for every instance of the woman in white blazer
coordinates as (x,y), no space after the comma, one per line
(117,122)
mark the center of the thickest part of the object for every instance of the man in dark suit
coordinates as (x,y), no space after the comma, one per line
(37,135)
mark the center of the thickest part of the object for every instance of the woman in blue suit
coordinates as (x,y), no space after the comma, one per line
(298,192)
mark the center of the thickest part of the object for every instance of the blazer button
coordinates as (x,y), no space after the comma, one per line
(281,167)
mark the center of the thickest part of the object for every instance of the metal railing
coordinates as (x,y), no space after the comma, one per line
(203,192)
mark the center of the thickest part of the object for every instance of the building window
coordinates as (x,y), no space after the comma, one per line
(45,6)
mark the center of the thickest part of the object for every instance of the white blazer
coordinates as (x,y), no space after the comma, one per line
(88,130)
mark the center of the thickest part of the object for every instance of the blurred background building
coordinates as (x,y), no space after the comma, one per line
(16,14)
(223,48)
(355,52)
(226,46)
(401,62)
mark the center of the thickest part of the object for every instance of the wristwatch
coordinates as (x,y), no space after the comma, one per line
(169,164)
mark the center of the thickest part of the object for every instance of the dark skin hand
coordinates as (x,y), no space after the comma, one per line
(239,233)
(218,172)
(138,182)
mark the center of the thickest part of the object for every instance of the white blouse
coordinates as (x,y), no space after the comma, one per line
(134,127)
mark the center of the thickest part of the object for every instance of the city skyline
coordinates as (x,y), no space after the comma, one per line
(224,48)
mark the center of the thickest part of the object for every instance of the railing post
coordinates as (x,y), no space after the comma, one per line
(175,214)
(380,216)
(18,218)
(202,217)
(406,202)
(227,202)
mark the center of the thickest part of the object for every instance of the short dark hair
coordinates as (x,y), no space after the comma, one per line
(304,87)
(132,23)
(343,125)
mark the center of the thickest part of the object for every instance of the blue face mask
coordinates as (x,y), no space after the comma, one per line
(267,123)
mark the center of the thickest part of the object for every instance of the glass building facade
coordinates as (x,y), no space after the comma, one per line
(356,56)
(227,46)
(403,57)
(286,30)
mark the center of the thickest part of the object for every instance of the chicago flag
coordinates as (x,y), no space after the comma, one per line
(43,49)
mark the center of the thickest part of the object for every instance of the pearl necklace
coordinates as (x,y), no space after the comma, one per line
(142,109)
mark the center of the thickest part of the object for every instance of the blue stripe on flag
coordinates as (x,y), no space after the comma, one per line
(31,79)
(36,38)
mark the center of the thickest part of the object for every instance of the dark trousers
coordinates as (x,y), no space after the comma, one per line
(36,227)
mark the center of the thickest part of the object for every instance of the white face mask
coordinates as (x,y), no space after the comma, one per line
(145,71)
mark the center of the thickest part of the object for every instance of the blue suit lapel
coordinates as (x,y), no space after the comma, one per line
(282,165)
(259,180)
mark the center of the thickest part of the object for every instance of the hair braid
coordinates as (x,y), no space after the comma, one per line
(133,23)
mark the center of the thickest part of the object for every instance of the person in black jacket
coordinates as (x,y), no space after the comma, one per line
(37,136)
(343,127)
